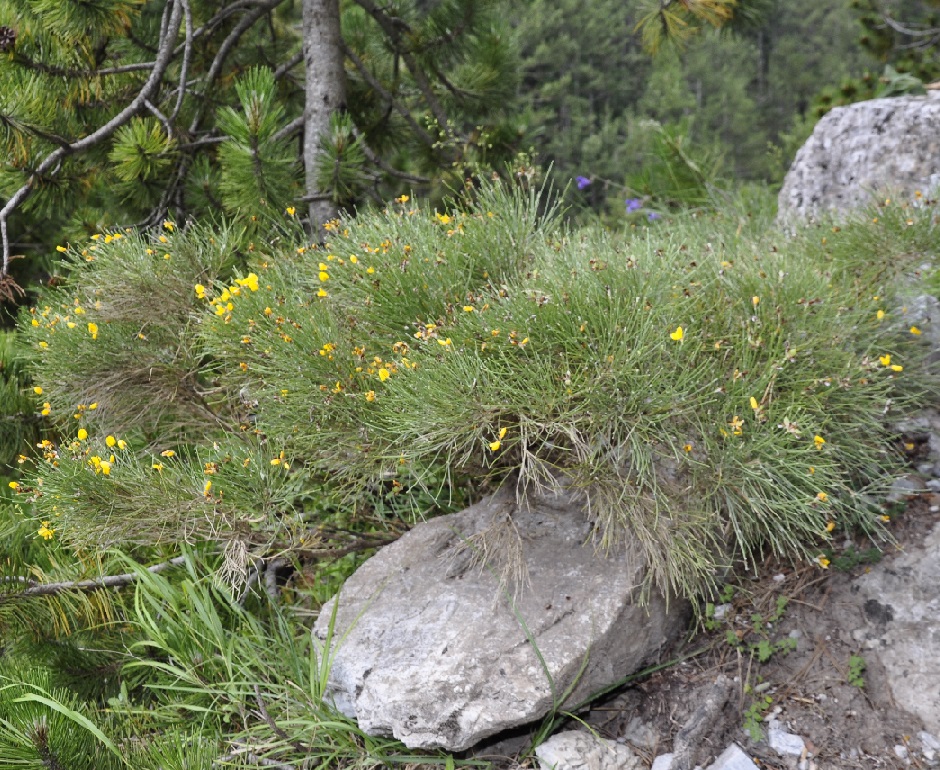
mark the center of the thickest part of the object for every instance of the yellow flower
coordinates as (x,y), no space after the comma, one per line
(445,343)
(61,249)
(46,409)
(167,453)
(443,219)
(915,330)
(354,259)
(885,518)
(822,561)
(105,467)
(206,487)
(13,485)
(830,525)
(323,293)
(495,445)
(82,434)
(885,359)
(370,270)
(687,448)
(121,444)
(290,211)
(754,405)
(93,330)
(678,334)
(157,466)
(37,390)
(502,432)
(880,314)
(324,276)
(383,374)
(896,368)
(819,441)
(402,199)
(163,239)
(167,224)
(822,497)
(736,424)
(110,441)
(250,281)
(468,308)
(46,531)
(755,301)
(200,290)
(370,396)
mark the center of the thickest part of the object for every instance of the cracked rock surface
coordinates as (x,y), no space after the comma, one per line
(439,652)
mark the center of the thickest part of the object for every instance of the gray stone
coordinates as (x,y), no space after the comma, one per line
(733,758)
(662,762)
(900,603)
(863,150)
(577,750)
(784,743)
(905,487)
(437,651)
(929,741)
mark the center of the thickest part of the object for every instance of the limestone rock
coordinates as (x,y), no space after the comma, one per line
(436,651)
(901,607)
(577,750)
(861,150)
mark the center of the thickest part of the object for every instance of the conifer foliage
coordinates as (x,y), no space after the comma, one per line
(125,112)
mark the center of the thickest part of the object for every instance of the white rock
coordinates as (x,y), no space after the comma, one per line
(733,758)
(432,651)
(784,743)
(929,741)
(662,762)
(860,150)
(900,751)
(576,750)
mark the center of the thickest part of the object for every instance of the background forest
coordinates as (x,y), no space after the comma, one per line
(181,495)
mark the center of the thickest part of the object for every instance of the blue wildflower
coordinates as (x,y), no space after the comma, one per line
(633,204)
(582,182)
(652,215)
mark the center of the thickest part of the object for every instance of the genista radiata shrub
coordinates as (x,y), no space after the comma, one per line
(714,391)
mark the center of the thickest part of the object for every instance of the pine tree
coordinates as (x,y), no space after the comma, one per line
(131,112)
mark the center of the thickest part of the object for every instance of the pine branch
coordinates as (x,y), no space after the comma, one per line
(393,28)
(169,29)
(96,584)
(387,96)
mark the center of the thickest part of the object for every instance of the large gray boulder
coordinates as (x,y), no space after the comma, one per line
(864,150)
(438,651)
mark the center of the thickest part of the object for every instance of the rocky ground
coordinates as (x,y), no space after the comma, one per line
(802,668)
(799,659)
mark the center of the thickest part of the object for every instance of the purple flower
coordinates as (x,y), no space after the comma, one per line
(582,182)
(633,204)
(652,215)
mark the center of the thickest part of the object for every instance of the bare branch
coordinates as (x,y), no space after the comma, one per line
(292,62)
(168,32)
(187,54)
(291,128)
(278,731)
(387,96)
(95,584)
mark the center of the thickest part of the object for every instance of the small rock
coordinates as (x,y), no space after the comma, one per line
(733,758)
(576,750)
(903,488)
(722,610)
(640,734)
(784,743)
(779,578)
(900,751)
(929,741)
(934,486)
(662,762)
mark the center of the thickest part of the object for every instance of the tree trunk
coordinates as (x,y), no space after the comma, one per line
(325,94)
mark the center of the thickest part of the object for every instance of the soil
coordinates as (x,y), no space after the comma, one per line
(827,689)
